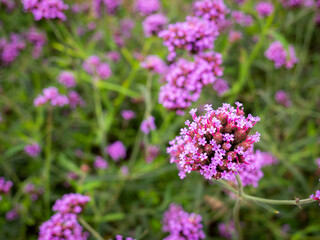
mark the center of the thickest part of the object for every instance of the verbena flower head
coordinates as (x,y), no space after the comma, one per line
(185,80)
(33,191)
(9,4)
(221,86)
(282,98)
(10,49)
(75,100)
(5,186)
(234,36)
(182,225)
(316,196)
(13,214)
(93,66)
(32,150)
(148,125)
(100,163)
(280,56)
(241,18)
(211,10)
(128,114)
(264,9)
(154,64)
(194,35)
(67,79)
(52,95)
(216,144)
(116,150)
(37,39)
(151,153)
(147,7)
(114,56)
(227,230)
(119,237)
(71,203)
(251,173)
(62,227)
(46,9)
(153,24)
(293,3)
(112,5)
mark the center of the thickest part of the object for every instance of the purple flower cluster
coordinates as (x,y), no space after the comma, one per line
(32,150)
(241,18)
(67,79)
(75,100)
(216,144)
(153,24)
(100,163)
(182,225)
(5,186)
(13,214)
(112,5)
(116,151)
(148,125)
(119,237)
(264,9)
(9,4)
(147,7)
(316,196)
(62,227)
(52,95)
(211,10)
(234,36)
(194,35)
(71,203)
(151,153)
(251,173)
(293,3)
(282,98)
(154,64)
(33,191)
(221,86)
(37,39)
(280,56)
(128,114)
(185,80)
(46,9)
(80,7)
(95,67)
(10,49)
(227,230)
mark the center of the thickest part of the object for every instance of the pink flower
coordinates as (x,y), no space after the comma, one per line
(128,114)
(153,24)
(148,125)
(280,56)
(32,150)
(154,64)
(264,9)
(67,79)
(71,203)
(116,151)
(282,98)
(100,163)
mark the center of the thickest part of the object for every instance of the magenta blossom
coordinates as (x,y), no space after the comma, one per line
(38,40)
(75,100)
(147,7)
(280,56)
(119,237)
(128,114)
(182,225)
(52,95)
(221,86)
(71,203)
(241,18)
(116,151)
(10,49)
(148,125)
(235,36)
(154,64)
(67,79)
(93,66)
(216,144)
(316,196)
(153,24)
(264,9)
(283,98)
(46,9)
(227,230)
(211,10)
(62,226)
(100,163)
(194,35)
(32,150)
(5,186)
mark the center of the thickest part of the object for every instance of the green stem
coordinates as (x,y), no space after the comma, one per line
(48,159)
(226,185)
(236,214)
(236,209)
(90,229)
(99,116)
(296,202)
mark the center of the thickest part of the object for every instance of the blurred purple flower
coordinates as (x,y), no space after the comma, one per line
(147,7)
(221,86)
(153,24)
(67,79)
(37,39)
(71,203)
(116,151)
(282,98)
(227,230)
(128,114)
(100,163)
(235,36)
(264,9)
(211,10)
(148,125)
(32,150)
(279,55)
(154,64)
